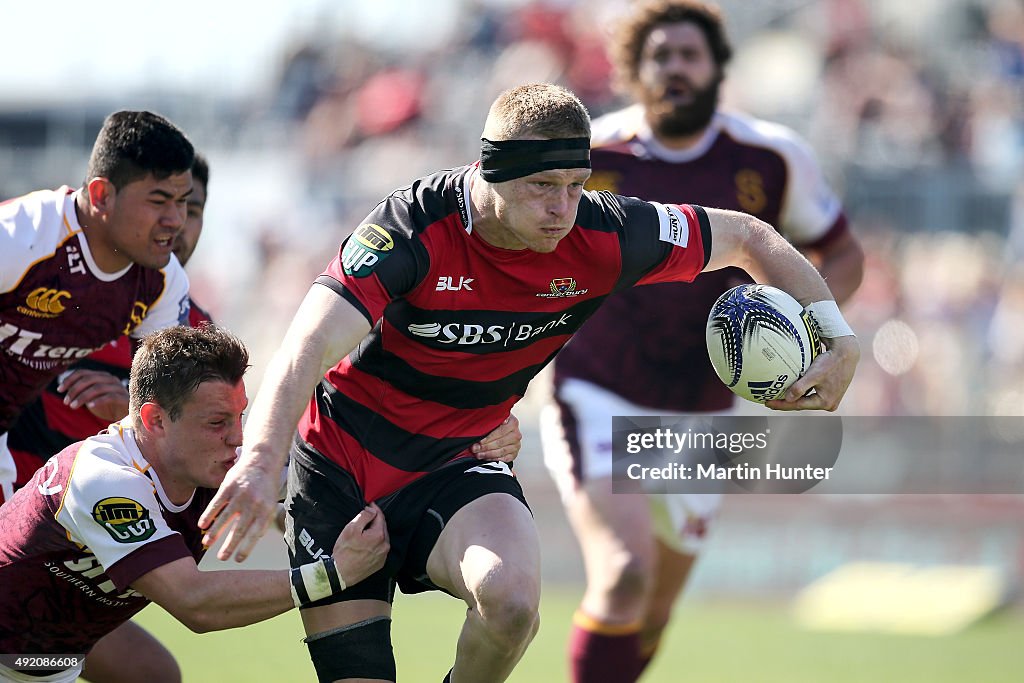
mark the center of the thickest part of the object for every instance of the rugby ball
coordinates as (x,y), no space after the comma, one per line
(760,341)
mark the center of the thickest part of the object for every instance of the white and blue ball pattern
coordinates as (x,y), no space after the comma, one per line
(760,341)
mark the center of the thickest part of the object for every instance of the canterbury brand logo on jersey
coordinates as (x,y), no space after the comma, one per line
(44,302)
(468,334)
(562,288)
(368,245)
(447,283)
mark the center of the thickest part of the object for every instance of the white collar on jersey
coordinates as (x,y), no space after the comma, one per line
(71,216)
(147,468)
(678,156)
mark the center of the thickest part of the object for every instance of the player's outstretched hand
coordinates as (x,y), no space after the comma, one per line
(244,505)
(362,546)
(502,444)
(102,393)
(829,376)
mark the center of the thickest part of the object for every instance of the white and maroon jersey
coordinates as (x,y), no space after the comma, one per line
(648,344)
(48,425)
(460,327)
(57,306)
(91,521)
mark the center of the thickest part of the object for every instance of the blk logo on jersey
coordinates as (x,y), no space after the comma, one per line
(563,288)
(126,520)
(368,245)
(44,302)
(447,283)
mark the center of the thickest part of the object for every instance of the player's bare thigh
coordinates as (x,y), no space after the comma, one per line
(129,654)
(495,531)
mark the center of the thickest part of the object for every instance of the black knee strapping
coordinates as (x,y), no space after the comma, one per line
(361,650)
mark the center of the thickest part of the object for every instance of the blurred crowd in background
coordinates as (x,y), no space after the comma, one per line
(916,111)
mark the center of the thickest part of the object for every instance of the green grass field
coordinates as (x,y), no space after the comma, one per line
(708,642)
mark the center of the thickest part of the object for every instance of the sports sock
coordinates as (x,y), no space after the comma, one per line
(603,653)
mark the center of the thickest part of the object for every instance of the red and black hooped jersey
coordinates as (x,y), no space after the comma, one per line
(648,345)
(460,327)
(57,306)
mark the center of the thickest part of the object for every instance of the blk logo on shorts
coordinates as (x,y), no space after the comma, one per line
(492,468)
(307,542)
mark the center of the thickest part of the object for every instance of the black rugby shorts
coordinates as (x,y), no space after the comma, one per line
(323,498)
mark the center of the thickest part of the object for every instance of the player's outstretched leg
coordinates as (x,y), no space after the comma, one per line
(489,555)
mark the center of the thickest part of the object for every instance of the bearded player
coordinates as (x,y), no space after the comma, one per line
(644,352)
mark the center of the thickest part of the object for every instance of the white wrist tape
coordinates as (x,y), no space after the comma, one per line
(828,319)
(316,581)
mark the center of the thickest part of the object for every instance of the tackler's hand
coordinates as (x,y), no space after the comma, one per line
(363,545)
(501,445)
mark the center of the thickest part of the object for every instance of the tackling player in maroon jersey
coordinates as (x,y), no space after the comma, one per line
(109,523)
(644,352)
(423,332)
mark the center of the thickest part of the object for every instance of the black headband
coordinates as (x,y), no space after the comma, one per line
(510,159)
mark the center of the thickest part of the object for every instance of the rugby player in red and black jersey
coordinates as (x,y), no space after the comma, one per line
(110,523)
(80,268)
(421,335)
(644,352)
